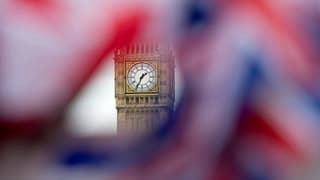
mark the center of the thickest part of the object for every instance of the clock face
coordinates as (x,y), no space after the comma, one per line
(142,77)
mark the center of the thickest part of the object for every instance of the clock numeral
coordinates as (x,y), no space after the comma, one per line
(131,81)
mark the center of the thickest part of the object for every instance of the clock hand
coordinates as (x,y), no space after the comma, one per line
(138,84)
(141,77)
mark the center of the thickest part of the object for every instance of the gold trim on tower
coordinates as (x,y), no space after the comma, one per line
(154,90)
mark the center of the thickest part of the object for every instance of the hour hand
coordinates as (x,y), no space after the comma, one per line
(142,76)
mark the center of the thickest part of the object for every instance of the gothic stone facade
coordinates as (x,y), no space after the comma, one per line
(141,108)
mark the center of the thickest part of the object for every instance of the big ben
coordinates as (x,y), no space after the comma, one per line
(144,87)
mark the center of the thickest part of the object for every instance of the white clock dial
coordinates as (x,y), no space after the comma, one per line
(142,77)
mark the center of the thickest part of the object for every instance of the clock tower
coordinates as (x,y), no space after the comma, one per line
(144,87)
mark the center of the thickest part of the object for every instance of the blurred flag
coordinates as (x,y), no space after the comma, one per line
(250,108)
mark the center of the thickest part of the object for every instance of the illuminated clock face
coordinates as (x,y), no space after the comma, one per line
(142,77)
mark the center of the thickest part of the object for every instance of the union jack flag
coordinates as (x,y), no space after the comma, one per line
(250,108)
